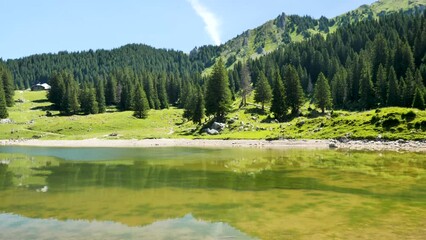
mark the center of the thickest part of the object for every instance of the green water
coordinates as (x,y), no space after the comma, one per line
(206,193)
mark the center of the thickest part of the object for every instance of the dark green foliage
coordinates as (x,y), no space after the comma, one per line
(367,94)
(199,106)
(393,97)
(3,109)
(409,116)
(263,92)
(322,93)
(87,65)
(162,92)
(57,91)
(70,104)
(111,90)
(339,89)
(279,106)
(100,96)
(8,85)
(381,85)
(293,89)
(140,105)
(390,122)
(89,105)
(418,101)
(218,94)
(126,96)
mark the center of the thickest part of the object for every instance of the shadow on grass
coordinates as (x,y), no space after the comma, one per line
(40,101)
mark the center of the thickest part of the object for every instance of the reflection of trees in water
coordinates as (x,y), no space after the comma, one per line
(6,177)
(139,175)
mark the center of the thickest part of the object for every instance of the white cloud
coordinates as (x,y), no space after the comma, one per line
(210,20)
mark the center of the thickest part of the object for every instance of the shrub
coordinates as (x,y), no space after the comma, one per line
(409,116)
(390,122)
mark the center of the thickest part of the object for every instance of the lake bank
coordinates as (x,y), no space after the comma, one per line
(400,145)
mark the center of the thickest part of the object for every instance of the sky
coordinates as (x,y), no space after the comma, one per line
(48,26)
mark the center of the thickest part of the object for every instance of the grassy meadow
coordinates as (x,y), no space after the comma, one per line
(29,120)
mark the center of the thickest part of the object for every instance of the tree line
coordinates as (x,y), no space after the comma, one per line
(6,90)
(369,64)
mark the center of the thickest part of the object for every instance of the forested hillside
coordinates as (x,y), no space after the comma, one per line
(367,64)
(286,29)
(86,66)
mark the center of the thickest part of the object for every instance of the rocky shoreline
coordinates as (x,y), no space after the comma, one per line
(400,145)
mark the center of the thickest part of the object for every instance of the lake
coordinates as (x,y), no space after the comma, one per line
(208,193)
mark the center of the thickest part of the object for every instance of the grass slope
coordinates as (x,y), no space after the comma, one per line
(30,121)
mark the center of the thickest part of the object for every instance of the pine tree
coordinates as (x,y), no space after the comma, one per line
(100,96)
(366,90)
(218,94)
(198,114)
(111,90)
(88,101)
(393,96)
(3,104)
(418,101)
(70,104)
(408,88)
(245,84)
(140,105)
(127,95)
(162,92)
(57,89)
(263,92)
(381,85)
(322,93)
(339,88)
(279,106)
(8,86)
(294,92)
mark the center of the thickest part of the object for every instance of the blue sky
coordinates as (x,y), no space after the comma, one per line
(42,26)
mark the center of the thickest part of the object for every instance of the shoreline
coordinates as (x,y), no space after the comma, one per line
(400,145)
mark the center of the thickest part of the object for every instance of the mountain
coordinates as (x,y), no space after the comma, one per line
(286,29)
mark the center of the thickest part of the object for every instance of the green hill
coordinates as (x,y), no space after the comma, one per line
(285,29)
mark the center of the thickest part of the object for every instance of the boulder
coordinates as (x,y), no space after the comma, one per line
(212,131)
(218,126)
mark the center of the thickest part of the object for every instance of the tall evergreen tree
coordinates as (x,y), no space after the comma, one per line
(339,88)
(294,92)
(88,101)
(418,101)
(245,83)
(100,96)
(111,90)
(322,93)
(199,106)
(8,86)
(279,106)
(382,85)
(140,105)
(57,89)
(70,104)
(263,92)
(3,104)
(162,92)
(393,97)
(366,90)
(218,94)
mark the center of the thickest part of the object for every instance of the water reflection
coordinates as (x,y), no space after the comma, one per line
(186,227)
(281,194)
